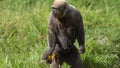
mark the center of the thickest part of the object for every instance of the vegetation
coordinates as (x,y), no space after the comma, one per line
(23,31)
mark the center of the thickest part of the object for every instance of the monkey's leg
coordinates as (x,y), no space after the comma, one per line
(74,59)
(54,64)
(76,64)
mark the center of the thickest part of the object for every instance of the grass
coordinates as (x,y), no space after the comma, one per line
(23,31)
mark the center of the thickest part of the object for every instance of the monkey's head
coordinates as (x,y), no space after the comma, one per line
(59,8)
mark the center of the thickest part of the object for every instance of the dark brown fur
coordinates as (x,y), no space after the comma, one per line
(62,33)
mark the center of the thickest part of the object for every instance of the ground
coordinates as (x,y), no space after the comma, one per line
(23,31)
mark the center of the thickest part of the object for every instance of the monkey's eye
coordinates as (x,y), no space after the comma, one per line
(55,8)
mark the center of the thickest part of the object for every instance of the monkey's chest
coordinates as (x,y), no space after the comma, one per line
(67,31)
(66,37)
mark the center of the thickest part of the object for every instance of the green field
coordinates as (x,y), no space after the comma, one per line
(23,31)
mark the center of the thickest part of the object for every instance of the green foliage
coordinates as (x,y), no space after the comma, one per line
(23,31)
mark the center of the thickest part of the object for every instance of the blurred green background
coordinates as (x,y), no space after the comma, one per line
(23,31)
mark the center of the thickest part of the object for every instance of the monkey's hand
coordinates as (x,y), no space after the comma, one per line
(82,50)
(42,61)
(49,59)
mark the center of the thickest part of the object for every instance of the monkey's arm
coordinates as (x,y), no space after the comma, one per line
(81,35)
(51,41)
(51,44)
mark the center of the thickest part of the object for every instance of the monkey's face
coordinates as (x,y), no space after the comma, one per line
(58,12)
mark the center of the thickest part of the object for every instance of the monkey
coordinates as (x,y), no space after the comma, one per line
(65,25)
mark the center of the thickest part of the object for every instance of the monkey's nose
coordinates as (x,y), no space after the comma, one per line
(54,11)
